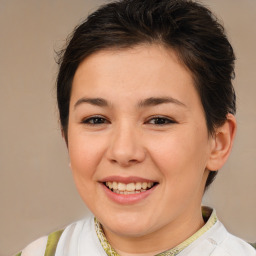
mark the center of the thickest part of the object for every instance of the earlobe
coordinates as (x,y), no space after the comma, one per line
(222,143)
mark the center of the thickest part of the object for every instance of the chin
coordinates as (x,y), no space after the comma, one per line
(128,231)
(128,226)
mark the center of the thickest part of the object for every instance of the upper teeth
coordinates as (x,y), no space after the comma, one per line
(129,187)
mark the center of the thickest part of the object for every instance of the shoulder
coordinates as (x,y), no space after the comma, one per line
(43,246)
(36,248)
(48,244)
(230,245)
(217,241)
(236,246)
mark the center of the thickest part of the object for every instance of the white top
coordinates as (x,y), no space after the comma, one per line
(80,239)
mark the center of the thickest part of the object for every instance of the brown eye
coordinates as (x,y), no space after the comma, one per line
(160,121)
(95,120)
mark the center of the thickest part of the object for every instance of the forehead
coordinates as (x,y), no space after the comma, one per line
(142,71)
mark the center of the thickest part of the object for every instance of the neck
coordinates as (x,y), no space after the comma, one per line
(158,241)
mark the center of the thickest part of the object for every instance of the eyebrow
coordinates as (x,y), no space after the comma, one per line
(93,101)
(152,101)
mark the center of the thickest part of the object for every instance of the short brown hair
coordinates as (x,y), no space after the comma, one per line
(183,25)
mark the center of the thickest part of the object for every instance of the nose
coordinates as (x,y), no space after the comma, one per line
(126,147)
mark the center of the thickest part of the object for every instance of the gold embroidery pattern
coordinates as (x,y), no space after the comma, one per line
(103,240)
(207,214)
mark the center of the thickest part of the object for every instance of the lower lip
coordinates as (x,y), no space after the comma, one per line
(127,199)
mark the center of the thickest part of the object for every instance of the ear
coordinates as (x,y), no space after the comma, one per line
(222,142)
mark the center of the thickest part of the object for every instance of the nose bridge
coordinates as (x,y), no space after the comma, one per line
(126,146)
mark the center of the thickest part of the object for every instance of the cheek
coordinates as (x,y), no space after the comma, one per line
(85,153)
(182,166)
(181,158)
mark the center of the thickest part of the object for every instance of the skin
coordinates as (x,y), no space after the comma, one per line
(127,138)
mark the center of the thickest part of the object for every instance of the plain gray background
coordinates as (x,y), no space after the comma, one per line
(37,194)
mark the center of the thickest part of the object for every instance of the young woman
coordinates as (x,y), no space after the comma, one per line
(147,110)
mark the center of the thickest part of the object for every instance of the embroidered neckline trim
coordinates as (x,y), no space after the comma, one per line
(208,214)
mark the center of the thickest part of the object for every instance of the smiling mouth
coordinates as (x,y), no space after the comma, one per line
(130,188)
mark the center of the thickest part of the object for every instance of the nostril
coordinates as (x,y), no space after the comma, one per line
(133,161)
(124,161)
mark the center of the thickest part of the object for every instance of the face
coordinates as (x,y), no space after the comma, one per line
(137,140)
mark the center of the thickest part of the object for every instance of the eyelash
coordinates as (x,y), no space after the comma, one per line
(162,120)
(91,120)
(99,120)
